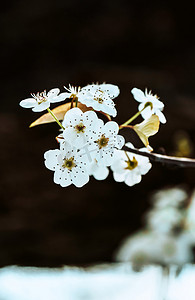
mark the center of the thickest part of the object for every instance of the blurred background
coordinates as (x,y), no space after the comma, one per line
(48,44)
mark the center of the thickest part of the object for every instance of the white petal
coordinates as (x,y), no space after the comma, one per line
(120,141)
(111,89)
(161,116)
(144,168)
(41,107)
(132,178)
(147,112)
(57,176)
(129,145)
(59,98)
(138,95)
(72,117)
(110,128)
(119,177)
(79,177)
(51,158)
(70,135)
(100,172)
(28,103)
(53,93)
(65,179)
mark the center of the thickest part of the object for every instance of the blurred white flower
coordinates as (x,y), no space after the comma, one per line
(41,101)
(173,197)
(80,128)
(99,97)
(164,220)
(129,167)
(148,247)
(151,104)
(68,166)
(190,215)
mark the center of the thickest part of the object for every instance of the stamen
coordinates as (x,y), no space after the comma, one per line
(69,163)
(102,142)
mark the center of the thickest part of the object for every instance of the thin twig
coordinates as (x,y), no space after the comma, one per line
(165,159)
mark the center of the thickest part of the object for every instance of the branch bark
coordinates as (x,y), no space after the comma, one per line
(182,162)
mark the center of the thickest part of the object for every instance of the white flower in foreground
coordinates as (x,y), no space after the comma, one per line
(100,97)
(129,167)
(102,149)
(80,128)
(41,101)
(98,171)
(151,102)
(68,167)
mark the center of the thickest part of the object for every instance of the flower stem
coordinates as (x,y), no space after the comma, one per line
(132,118)
(49,110)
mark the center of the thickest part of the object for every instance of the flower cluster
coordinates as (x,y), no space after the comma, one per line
(88,146)
(168,237)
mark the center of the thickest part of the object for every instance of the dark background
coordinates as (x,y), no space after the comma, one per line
(47,44)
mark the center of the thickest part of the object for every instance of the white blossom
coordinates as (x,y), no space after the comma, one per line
(68,166)
(129,167)
(41,101)
(102,149)
(99,97)
(80,128)
(150,102)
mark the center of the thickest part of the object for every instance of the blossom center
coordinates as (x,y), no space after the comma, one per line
(40,97)
(69,163)
(74,97)
(99,100)
(80,127)
(102,142)
(148,104)
(131,163)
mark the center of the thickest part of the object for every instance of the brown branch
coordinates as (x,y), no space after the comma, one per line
(165,159)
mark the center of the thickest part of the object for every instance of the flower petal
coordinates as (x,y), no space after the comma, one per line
(41,107)
(53,93)
(51,159)
(28,103)
(79,176)
(111,89)
(133,178)
(161,116)
(138,95)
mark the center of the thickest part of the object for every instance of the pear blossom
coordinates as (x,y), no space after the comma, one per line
(80,128)
(41,101)
(148,247)
(68,167)
(164,220)
(169,197)
(150,104)
(102,149)
(99,97)
(129,167)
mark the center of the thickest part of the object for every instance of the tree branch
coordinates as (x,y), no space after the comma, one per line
(165,159)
